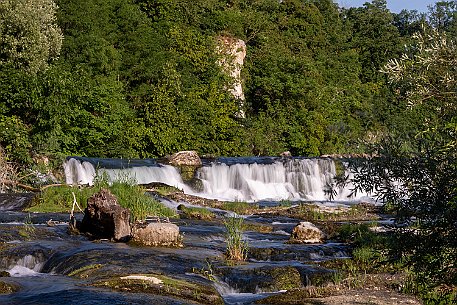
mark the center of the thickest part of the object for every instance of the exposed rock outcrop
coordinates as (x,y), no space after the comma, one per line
(15,201)
(156,234)
(306,233)
(234,52)
(105,218)
(185,158)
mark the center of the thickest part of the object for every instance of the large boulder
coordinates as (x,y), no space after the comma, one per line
(185,158)
(306,233)
(105,218)
(187,162)
(156,234)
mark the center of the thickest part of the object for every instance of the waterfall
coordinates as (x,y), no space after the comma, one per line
(84,170)
(290,179)
(230,179)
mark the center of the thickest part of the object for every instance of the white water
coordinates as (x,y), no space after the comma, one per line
(83,172)
(29,265)
(291,179)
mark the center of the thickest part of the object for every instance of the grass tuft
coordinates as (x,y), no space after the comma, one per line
(237,247)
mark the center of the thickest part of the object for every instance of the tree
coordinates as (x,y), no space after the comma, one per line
(416,173)
(443,16)
(29,35)
(374,36)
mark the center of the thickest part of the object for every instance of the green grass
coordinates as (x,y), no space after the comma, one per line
(129,195)
(195,213)
(239,207)
(237,247)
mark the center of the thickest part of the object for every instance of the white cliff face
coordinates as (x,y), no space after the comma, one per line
(234,51)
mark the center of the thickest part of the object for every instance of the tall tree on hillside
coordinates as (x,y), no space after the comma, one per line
(443,16)
(374,36)
(29,35)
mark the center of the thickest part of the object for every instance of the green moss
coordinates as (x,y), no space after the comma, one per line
(6,288)
(195,213)
(241,208)
(286,278)
(339,167)
(257,227)
(299,296)
(84,271)
(166,190)
(173,287)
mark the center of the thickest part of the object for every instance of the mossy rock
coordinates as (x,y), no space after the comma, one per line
(196,184)
(85,271)
(187,172)
(195,213)
(164,286)
(7,288)
(299,296)
(286,278)
(266,278)
(340,168)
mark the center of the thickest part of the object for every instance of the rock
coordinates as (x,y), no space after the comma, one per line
(286,154)
(185,158)
(16,201)
(187,161)
(156,234)
(306,232)
(105,218)
(233,52)
(151,279)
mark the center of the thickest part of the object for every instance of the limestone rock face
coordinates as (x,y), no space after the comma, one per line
(185,158)
(105,218)
(306,232)
(234,52)
(156,234)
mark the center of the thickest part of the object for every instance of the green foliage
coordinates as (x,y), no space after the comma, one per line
(417,175)
(29,35)
(143,79)
(14,138)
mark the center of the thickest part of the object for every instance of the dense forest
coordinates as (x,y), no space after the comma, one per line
(142,78)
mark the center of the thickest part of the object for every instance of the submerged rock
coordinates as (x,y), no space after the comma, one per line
(306,232)
(105,218)
(156,234)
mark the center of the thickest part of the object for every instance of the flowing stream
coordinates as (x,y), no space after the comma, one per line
(42,266)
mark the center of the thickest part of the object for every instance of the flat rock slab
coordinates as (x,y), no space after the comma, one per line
(156,234)
(15,201)
(380,297)
(185,158)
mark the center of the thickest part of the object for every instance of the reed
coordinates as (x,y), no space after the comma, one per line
(237,247)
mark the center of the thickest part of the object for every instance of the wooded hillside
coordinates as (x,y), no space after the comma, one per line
(141,78)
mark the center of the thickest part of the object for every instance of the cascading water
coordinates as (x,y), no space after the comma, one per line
(283,179)
(84,170)
(231,179)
